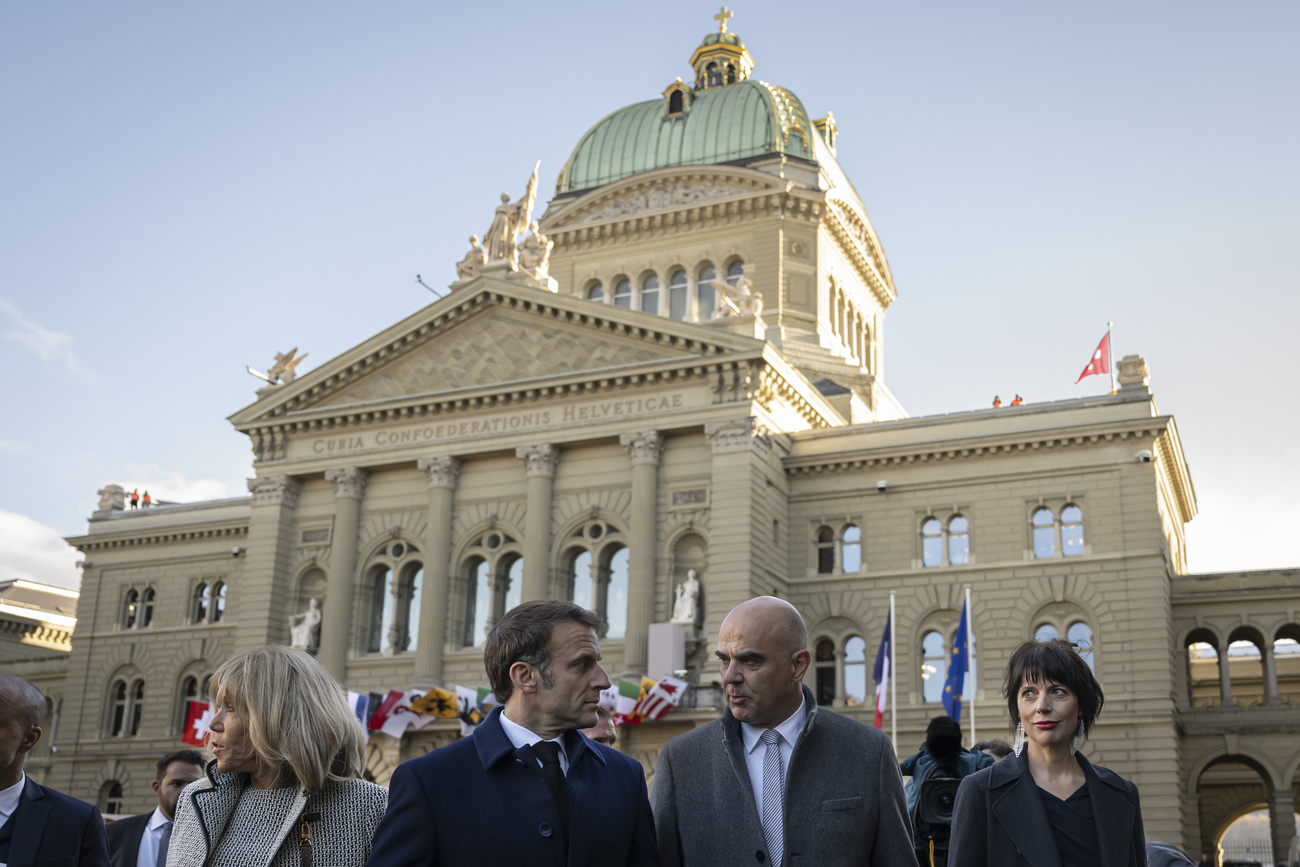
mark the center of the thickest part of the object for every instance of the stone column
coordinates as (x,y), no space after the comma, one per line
(643,537)
(541,461)
(739,483)
(1270,678)
(336,628)
(261,598)
(1225,678)
(1281,816)
(443,473)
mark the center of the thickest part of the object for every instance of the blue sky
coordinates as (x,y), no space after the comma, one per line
(186,189)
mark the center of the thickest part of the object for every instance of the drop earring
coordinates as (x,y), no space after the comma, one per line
(1019,746)
(1078,739)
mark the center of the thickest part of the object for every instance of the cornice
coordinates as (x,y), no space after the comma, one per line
(155,536)
(1172,463)
(842,220)
(960,448)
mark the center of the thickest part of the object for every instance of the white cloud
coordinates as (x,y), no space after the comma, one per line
(29,549)
(173,487)
(51,346)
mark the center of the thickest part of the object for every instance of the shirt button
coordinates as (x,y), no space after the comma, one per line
(544,829)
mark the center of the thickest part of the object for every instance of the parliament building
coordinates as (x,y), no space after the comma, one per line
(682,368)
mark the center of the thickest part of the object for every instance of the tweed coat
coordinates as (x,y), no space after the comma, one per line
(999,821)
(349,811)
(843,798)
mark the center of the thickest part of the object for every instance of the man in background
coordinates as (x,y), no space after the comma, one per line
(942,749)
(142,841)
(995,747)
(38,825)
(604,730)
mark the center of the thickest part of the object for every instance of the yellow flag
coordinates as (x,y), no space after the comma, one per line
(439,703)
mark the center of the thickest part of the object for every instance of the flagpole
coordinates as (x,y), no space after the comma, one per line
(970,666)
(1110,356)
(893,675)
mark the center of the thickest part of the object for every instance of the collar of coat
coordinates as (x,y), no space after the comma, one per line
(215,806)
(1019,810)
(494,746)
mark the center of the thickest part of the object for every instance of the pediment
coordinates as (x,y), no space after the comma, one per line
(659,192)
(490,336)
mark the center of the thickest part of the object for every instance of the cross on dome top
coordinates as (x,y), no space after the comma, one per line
(722,17)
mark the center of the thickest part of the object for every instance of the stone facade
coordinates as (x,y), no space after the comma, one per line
(577,438)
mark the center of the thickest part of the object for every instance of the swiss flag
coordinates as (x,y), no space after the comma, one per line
(196,723)
(1100,361)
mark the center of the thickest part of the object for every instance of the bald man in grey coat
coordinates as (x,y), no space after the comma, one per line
(778,780)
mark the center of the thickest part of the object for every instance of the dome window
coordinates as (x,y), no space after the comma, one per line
(677,100)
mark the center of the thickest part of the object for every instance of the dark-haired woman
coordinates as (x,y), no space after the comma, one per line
(1046,805)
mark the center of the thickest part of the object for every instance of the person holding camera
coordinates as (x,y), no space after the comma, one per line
(936,770)
(1047,805)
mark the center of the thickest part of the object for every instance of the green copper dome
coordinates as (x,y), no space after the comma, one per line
(726,124)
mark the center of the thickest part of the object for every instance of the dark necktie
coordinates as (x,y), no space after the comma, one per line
(549,753)
(163,844)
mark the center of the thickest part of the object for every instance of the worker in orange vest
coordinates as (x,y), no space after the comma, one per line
(1019,401)
(997,401)
(135,499)
(145,499)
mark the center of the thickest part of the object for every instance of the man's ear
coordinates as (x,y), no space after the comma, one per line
(801,660)
(524,678)
(30,737)
(157,786)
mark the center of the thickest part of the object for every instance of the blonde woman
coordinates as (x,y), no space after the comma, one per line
(283,789)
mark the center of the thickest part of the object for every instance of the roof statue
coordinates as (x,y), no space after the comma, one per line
(535,253)
(738,300)
(510,221)
(283,371)
(469,267)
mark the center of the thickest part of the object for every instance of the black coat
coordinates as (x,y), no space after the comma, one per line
(124,839)
(50,827)
(999,820)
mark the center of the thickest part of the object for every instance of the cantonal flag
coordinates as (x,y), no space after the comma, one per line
(1100,361)
(196,723)
(629,696)
(661,698)
(881,674)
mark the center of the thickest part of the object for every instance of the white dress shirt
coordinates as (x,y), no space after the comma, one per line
(9,798)
(150,839)
(520,736)
(789,731)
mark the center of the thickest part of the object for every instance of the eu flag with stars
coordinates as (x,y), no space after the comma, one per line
(957,666)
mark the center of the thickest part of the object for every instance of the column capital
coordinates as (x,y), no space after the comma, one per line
(443,471)
(540,459)
(274,491)
(737,435)
(644,446)
(349,482)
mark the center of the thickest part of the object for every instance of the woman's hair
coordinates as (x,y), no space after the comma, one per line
(1059,662)
(297,717)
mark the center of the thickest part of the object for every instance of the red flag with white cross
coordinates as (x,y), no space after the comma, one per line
(1100,361)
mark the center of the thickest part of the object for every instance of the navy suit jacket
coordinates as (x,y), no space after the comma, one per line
(54,830)
(476,802)
(124,839)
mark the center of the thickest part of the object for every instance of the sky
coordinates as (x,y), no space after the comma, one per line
(187,189)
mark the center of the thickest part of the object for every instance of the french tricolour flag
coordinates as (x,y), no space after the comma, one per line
(881,674)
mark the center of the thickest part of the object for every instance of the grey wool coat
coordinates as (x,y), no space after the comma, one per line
(343,814)
(843,798)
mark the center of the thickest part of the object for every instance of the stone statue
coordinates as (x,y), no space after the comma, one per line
(687,602)
(283,369)
(469,267)
(510,220)
(305,627)
(112,497)
(740,300)
(535,253)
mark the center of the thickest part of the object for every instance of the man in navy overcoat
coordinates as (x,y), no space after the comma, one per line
(526,787)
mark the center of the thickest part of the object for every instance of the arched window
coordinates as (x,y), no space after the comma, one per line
(1046,632)
(218,601)
(117,715)
(146,607)
(201,596)
(1072,531)
(675,102)
(679,298)
(855,671)
(615,612)
(512,577)
(1044,533)
(1203,688)
(110,798)
(851,549)
(731,73)
(958,541)
(580,579)
(825,551)
(596,292)
(623,294)
(189,692)
(130,609)
(934,666)
(824,664)
(137,707)
(734,272)
(713,75)
(834,304)
(381,608)
(411,586)
(708,296)
(931,542)
(479,603)
(650,285)
(597,562)
(1081,634)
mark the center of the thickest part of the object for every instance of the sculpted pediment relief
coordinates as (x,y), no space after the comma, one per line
(497,346)
(666,192)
